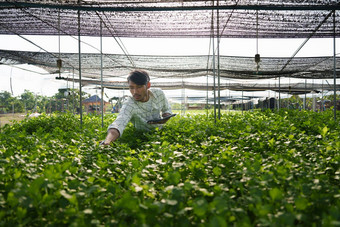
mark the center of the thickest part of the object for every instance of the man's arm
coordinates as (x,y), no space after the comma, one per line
(112,135)
(115,130)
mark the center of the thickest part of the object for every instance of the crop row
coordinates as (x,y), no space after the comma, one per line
(256,168)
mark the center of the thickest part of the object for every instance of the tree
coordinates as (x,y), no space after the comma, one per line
(295,102)
(18,106)
(42,103)
(66,100)
(6,101)
(29,100)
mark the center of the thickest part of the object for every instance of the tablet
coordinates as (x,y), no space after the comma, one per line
(161,119)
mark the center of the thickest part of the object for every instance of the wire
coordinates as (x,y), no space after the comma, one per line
(228,19)
(118,40)
(15,66)
(65,33)
(306,40)
(41,48)
(120,43)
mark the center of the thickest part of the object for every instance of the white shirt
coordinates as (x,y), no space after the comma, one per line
(141,112)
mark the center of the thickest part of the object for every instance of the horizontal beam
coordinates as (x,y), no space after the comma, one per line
(174,8)
(285,88)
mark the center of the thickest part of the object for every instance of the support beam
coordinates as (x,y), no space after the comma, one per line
(80,85)
(102,8)
(279,106)
(305,41)
(218,64)
(334,61)
(101,73)
(214,65)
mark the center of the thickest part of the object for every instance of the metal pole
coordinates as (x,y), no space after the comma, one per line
(218,66)
(101,72)
(73,90)
(183,99)
(305,101)
(214,72)
(334,60)
(80,90)
(321,109)
(207,105)
(242,99)
(229,98)
(279,106)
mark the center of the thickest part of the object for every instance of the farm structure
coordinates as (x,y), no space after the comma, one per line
(93,103)
(258,168)
(216,20)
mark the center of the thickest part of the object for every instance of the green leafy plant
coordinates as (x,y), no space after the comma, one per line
(257,168)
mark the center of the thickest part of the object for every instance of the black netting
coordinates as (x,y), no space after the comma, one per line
(116,65)
(290,88)
(238,18)
(181,18)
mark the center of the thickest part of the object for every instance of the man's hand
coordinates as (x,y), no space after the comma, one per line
(112,135)
(162,121)
(166,114)
(104,143)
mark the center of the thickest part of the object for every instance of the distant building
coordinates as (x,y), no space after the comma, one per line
(92,104)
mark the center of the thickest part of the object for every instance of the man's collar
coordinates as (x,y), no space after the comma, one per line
(151,93)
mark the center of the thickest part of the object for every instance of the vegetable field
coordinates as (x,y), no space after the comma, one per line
(251,169)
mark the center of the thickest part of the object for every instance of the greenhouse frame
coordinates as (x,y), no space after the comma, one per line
(178,19)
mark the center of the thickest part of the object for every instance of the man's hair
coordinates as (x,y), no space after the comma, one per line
(139,77)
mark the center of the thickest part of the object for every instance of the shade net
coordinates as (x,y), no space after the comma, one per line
(117,65)
(181,18)
(289,88)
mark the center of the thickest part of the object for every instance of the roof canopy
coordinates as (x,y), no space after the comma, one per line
(116,65)
(182,67)
(176,18)
(290,88)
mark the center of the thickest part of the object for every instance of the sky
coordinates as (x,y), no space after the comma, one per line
(40,82)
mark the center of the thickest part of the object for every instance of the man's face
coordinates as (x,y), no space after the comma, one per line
(139,92)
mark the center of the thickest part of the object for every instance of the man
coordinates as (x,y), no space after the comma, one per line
(145,104)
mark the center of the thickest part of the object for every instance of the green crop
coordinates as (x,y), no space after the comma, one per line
(251,169)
